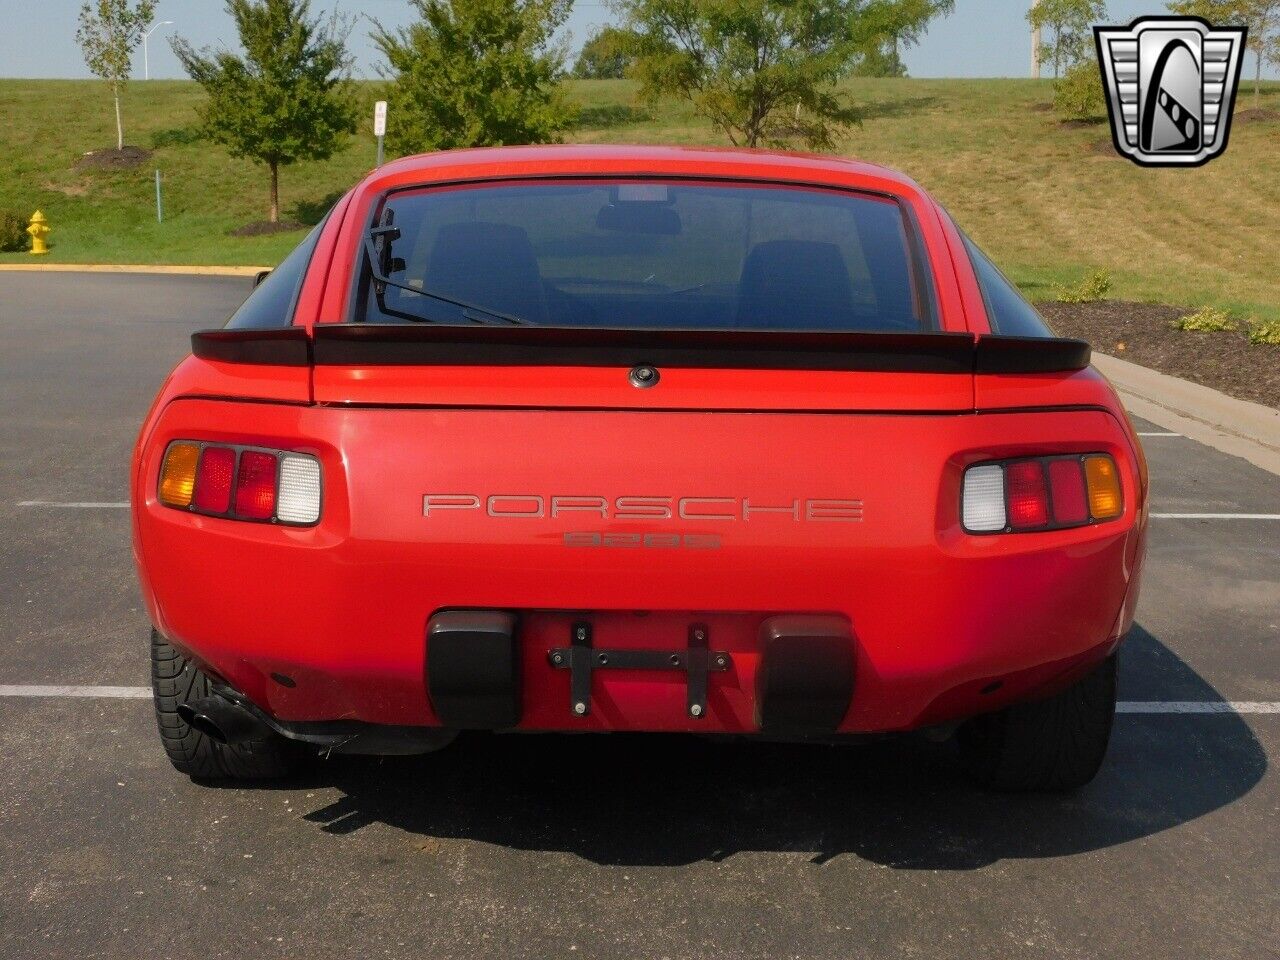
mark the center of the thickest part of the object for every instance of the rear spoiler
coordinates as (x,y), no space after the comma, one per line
(286,347)
(367,345)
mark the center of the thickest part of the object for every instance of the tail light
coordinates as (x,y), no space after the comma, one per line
(241,483)
(1104,487)
(178,479)
(1040,493)
(214,476)
(1026,491)
(256,485)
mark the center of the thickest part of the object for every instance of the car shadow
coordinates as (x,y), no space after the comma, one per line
(901,802)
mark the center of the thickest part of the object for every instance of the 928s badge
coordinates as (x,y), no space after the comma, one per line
(1170,84)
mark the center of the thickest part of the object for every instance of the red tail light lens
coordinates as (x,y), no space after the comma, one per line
(1040,493)
(256,485)
(213,480)
(1028,495)
(1066,480)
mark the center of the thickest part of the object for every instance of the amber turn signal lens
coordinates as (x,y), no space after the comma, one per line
(178,477)
(1104,487)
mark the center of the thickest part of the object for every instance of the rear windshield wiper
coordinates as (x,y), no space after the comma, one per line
(378,252)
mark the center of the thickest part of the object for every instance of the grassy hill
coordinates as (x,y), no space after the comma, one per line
(1050,202)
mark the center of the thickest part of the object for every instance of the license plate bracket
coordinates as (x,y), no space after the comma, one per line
(696,661)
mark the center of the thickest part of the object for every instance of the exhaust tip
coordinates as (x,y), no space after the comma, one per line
(202,722)
(221,720)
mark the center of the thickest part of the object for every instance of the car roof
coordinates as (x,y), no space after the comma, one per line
(633,159)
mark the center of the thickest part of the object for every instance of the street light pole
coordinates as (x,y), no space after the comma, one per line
(146,62)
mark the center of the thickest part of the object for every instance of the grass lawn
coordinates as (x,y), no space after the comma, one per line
(1047,205)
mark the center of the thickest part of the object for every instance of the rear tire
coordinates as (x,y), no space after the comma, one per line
(1050,745)
(176,680)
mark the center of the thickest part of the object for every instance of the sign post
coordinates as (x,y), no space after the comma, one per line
(159,205)
(380,126)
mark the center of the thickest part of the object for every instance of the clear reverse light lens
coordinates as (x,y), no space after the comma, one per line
(983,508)
(299,500)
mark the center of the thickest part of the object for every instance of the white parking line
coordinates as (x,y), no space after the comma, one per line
(1196,706)
(1124,706)
(33,690)
(1216,516)
(79,505)
(1158,433)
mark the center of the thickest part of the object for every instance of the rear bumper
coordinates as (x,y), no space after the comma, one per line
(941,625)
(895,686)
(944,656)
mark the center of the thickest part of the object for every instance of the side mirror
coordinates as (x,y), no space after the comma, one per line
(261,275)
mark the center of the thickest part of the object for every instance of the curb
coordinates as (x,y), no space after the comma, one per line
(1237,427)
(202,271)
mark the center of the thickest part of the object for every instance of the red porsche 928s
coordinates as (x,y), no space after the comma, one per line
(632,438)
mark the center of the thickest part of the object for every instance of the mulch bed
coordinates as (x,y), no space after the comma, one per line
(125,158)
(260,228)
(1141,333)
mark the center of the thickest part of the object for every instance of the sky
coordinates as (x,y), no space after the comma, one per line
(983,38)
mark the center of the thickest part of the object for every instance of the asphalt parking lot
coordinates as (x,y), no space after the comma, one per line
(585,846)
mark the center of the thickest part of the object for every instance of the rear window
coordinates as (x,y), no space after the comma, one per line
(271,303)
(645,254)
(1008,312)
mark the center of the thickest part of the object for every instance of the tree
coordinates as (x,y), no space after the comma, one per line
(1071,25)
(289,98)
(745,64)
(904,23)
(605,56)
(1262,17)
(474,73)
(109,31)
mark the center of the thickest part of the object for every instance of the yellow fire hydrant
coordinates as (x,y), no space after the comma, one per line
(39,229)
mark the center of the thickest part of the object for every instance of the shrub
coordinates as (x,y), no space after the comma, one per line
(1078,94)
(1205,320)
(1089,290)
(13,231)
(1264,331)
